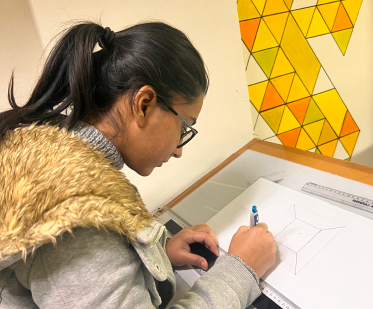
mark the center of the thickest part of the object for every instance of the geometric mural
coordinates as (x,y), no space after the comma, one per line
(293,100)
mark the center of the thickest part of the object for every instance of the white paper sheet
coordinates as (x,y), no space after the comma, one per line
(325,253)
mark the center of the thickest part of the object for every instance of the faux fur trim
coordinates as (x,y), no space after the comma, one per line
(52,182)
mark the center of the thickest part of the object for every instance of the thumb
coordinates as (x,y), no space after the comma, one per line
(195,260)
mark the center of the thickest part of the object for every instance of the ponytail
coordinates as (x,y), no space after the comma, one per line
(86,83)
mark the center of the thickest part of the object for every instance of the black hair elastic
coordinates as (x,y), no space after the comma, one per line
(106,39)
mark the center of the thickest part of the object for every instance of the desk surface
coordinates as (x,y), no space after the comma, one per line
(352,171)
(287,166)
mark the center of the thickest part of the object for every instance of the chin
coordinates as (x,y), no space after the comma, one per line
(145,172)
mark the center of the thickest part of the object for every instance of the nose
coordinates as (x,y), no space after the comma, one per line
(178,152)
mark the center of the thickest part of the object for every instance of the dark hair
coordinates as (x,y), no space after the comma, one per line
(87,84)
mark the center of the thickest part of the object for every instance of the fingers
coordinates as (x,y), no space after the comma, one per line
(263,226)
(194,259)
(206,229)
(205,239)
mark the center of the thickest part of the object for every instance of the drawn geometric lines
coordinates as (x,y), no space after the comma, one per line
(300,235)
(293,96)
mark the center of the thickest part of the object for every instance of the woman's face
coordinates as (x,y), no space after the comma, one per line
(151,135)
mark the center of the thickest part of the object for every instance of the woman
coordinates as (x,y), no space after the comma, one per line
(74,232)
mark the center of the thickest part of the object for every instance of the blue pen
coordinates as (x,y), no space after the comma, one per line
(254,217)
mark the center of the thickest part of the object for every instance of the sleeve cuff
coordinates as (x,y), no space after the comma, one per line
(239,276)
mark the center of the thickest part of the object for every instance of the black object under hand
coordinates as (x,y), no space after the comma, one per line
(199,249)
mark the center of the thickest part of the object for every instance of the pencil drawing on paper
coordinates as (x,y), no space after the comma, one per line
(300,235)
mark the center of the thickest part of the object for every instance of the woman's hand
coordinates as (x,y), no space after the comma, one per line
(255,247)
(178,250)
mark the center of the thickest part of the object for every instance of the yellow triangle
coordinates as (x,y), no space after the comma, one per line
(352,8)
(264,38)
(259,5)
(274,7)
(328,148)
(318,25)
(246,10)
(303,18)
(329,12)
(304,141)
(349,142)
(333,108)
(282,65)
(288,121)
(273,117)
(314,130)
(283,84)
(342,38)
(276,24)
(288,3)
(327,134)
(297,90)
(256,93)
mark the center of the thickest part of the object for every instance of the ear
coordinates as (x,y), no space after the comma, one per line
(145,103)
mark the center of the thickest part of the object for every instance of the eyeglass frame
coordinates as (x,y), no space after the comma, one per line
(194,131)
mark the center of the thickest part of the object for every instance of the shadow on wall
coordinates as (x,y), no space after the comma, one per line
(364,157)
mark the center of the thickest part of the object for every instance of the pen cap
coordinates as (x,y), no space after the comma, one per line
(254,210)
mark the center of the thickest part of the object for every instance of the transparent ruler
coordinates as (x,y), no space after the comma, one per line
(339,196)
(169,219)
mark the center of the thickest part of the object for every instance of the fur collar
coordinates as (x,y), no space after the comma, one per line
(52,182)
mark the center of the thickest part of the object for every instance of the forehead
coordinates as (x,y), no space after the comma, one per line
(189,110)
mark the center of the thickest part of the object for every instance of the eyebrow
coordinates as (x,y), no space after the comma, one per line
(194,120)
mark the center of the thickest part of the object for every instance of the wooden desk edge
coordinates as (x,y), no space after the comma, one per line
(353,171)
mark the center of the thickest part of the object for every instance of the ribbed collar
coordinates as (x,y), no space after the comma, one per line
(95,138)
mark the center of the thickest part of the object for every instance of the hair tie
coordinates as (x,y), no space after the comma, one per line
(104,40)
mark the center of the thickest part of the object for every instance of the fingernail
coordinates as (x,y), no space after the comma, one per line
(204,265)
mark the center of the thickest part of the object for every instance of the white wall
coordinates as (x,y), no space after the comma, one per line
(20,49)
(224,124)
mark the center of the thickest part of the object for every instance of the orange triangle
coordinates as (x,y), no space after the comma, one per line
(271,98)
(248,31)
(349,125)
(327,134)
(299,108)
(342,21)
(283,84)
(290,138)
(349,142)
(329,148)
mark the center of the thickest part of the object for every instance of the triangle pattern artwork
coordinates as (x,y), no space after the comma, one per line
(276,24)
(254,73)
(292,94)
(342,21)
(323,82)
(342,38)
(248,30)
(328,148)
(282,84)
(318,25)
(340,152)
(271,98)
(329,12)
(274,7)
(262,129)
(303,18)
(299,108)
(290,138)
(246,10)
(266,59)
(282,65)
(256,93)
(264,38)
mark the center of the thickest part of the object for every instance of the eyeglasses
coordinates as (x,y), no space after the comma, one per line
(187,135)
